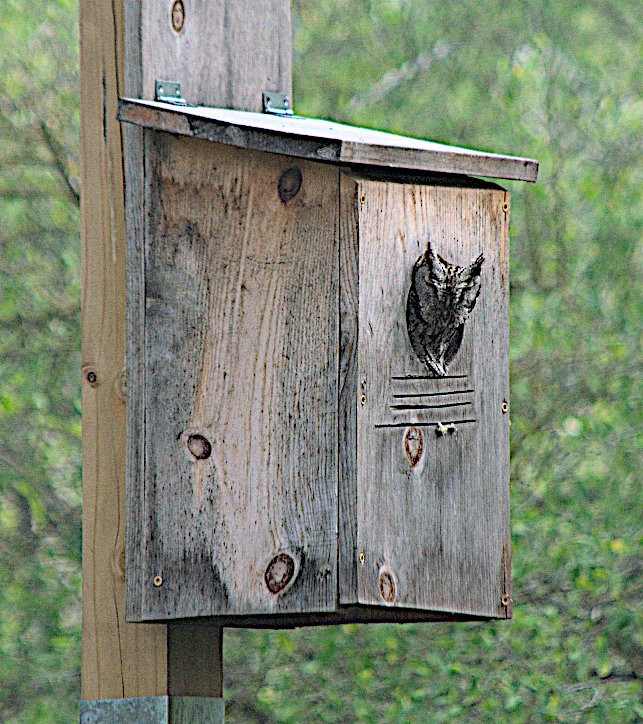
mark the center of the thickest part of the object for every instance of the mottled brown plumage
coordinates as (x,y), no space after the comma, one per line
(441,297)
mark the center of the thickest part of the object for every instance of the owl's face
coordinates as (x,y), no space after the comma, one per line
(456,287)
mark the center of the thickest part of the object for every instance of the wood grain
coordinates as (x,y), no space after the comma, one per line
(347,391)
(323,140)
(119,659)
(120,56)
(241,348)
(227,54)
(432,535)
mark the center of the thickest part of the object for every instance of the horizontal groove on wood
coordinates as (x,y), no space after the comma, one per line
(428,377)
(433,504)
(430,407)
(433,423)
(434,394)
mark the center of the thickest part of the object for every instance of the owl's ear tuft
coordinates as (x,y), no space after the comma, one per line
(437,265)
(469,273)
(470,282)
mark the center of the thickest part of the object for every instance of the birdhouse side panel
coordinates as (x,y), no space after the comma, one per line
(241,363)
(432,429)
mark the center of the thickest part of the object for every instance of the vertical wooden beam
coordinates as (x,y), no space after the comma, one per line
(225,54)
(119,659)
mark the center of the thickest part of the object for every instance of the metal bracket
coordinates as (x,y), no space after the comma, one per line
(276,103)
(153,710)
(168,91)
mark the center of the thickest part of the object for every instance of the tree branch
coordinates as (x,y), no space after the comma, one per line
(59,162)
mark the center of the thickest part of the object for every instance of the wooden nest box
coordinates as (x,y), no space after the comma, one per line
(318,427)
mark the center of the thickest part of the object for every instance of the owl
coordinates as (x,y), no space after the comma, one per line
(441,297)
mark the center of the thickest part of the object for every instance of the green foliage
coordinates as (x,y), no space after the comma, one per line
(39,362)
(554,81)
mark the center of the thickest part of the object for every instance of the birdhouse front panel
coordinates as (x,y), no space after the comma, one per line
(432,431)
(238,501)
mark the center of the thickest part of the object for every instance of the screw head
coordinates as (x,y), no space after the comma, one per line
(92,377)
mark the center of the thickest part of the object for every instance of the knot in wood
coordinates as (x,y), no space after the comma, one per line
(387,586)
(200,447)
(178,16)
(289,184)
(413,445)
(279,573)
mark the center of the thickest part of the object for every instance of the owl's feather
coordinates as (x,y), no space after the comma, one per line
(441,298)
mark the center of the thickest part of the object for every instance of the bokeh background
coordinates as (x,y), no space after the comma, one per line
(559,82)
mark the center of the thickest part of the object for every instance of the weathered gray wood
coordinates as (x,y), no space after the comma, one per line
(241,343)
(226,54)
(118,659)
(348,338)
(153,710)
(432,535)
(322,140)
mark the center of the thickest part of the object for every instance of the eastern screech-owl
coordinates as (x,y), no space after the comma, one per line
(441,297)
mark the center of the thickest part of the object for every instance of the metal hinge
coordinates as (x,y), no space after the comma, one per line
(277,104)
(168,91)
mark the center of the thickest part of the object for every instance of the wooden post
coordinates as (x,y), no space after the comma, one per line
(223,54)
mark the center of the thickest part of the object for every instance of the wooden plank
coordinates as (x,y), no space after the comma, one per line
(226,54)
(348,396)
(241,290)
(119,659)
(433,511)
(322,140)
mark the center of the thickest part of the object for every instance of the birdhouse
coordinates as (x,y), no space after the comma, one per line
(318,396)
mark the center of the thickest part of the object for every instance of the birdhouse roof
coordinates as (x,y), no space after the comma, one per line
(322,140)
